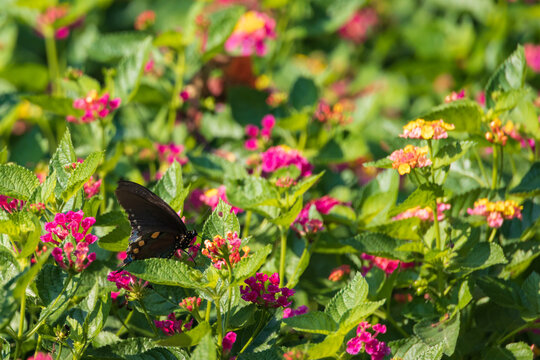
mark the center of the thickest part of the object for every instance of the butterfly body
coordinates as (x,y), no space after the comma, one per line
(156,229)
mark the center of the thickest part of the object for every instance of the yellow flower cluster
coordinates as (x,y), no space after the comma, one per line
(422,129)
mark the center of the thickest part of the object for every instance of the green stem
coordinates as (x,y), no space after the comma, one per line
(219,324)
(124,324)
(501,164)
(439,244)
(246,224)
(481,166)
(147,316)
(307,250)
(59,352)
(38,345)
(255,333)
(492,235)
(494,174)
(208,309)
(229,292)
(530,324)
(52,61)
(53,304)
(175,101)
(20,334)
(283,253)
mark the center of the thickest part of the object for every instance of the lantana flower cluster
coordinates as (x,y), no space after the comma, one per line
(191,303)
(251,33)
(173,326)
(427,130)
(386,265)
(453,96)
(496,212)
(359,25)
(52,14)
(532,56)
(338,114)
(339,273)
(10,205)
(221,250)
(303,224)
(170,153)
(211,197)
(255,141)
(424,214)
(264,291)
(94,107)
(91,187)
(410,157)
(228,341)
(367,341)
(498,134)
(281,156)
(144,20)
(290,312)
(131,284)
(71,231)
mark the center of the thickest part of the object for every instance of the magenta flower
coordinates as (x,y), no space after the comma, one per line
(386,265)
(368,342)
(211,198)
(264,291)
(290,312)
(532,56)
(45,22)
(268,122)
(173,326)
(282,156)
(170,153)
(250,34)
(41,356)
(91,187)
(10,204)
(228,341)
(359,25)
(71,223)
(133,286)
(94,107)
(252,131)
(64,256)
(303,224)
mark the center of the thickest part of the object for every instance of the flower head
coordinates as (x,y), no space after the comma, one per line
(295,355)
(70,257)
(191,303)
(212,197)
(423,214)
(359,25)
(264,291)
(221,250)
(40,356)
(46,22)
(255,141)
(132,285)
(282,156)
(250,34)
(170,153)
(339,273)
(145,19)
(532,56)
(228,341)
(338,114)
(496,212)
(454,96)
(366,341)
(72,223)
(386,265)
(409,158)
(427,130)
(94,107)
(91,187)
(290,312)
(304,224)
(173,326)
(10,204)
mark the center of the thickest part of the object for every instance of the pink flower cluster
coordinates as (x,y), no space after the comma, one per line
(496,212)
(250,34)
(75,225)
(532,56)
(144,20)
(10,204)
(173,326)
(386,265)
(264,291)
(454,96)
(410,157)
(427,130)
(337,114)
(41,356)
(219,250)
(91,187)
(303,224)
(49,17)
(211,198)
(191,303)
(228,341)
(252,131)
(339,273)
(366,341)
(423,214)
(290,312)
(122,279)
(94,107)
(280,156)
(295,355)
(358,26)
(171,152)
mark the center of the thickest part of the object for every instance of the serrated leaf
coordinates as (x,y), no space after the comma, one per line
(530,184)
(451,153)
(378,245)
(481,256)
(206,350)
(303,185)
(444,332)
(82,174)
(424,195)
(513,351)
(5,348)
(352,317)
(465,115)
(130,70)
(17,181)
(49,283)
(313,322)
(415,349)
(16,222)
(171,187)
(251,192)
(272,353)
(248,266)
(287,218)
(188,338)
(505,293)
(531,289)
(221,222)
(55,105)
(113,47)
(509,75)
(327,348)
(63,156)
(347,298)
(166,272)
(384,163)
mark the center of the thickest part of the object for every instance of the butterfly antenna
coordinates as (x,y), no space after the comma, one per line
(191,256)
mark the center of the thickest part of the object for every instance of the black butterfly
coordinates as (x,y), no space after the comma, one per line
(156,229)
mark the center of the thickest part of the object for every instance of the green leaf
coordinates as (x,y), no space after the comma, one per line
(188,338)
(384,163)
(378,245)
(503,292)
(347,298)
(30,274)
(218,168)
(130,70)
(171,187)
(220,222)
(248,266)
(353,316)
(304,93)
(16,223)
(513,351)
(9,267)
(451,153)
(313,322)
(508,76)
(531,289)
(444,332)
(529,186)
(251,192)
(415,349)
(49,283)
(481,256)
(166,272)
(17,181)
(5,348)
(44,192)
(55,105)
(63,156)
(222,23)
(206,350)
(97,313)
(287,218)
(113,47)
(82,174)
(248,106)
(424,195)
(465,115)
(302,186)
(327,348)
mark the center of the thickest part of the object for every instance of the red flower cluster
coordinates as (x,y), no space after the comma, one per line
(280,156)
(264,291)
(191,303)
(303,224)
(339,273)
(220,249)
(94,107)
(144,20)
(252,131)
(367,341)
(173,326)
(338,114)
(358,26)
(387,265)
(290,312)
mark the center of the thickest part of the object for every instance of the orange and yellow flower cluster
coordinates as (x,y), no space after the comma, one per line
(427,130)
(409,158)
(496,212)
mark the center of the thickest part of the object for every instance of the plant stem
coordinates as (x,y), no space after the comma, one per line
(147,316)
(494,174)
(492,235)
(530,324)
(438,242)
(124,323)
(38,345)
(20,334)
(481,166)
(229,293)
(208,309)
(59,352)
(283,253)
(175,101)
(219,323)
(246,224)
(52,61)
(255,333)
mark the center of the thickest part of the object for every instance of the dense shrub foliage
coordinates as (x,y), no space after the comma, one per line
(363,177)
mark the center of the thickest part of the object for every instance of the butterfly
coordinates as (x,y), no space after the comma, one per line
(156,229)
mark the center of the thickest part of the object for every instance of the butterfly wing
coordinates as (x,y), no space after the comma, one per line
(147,212)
